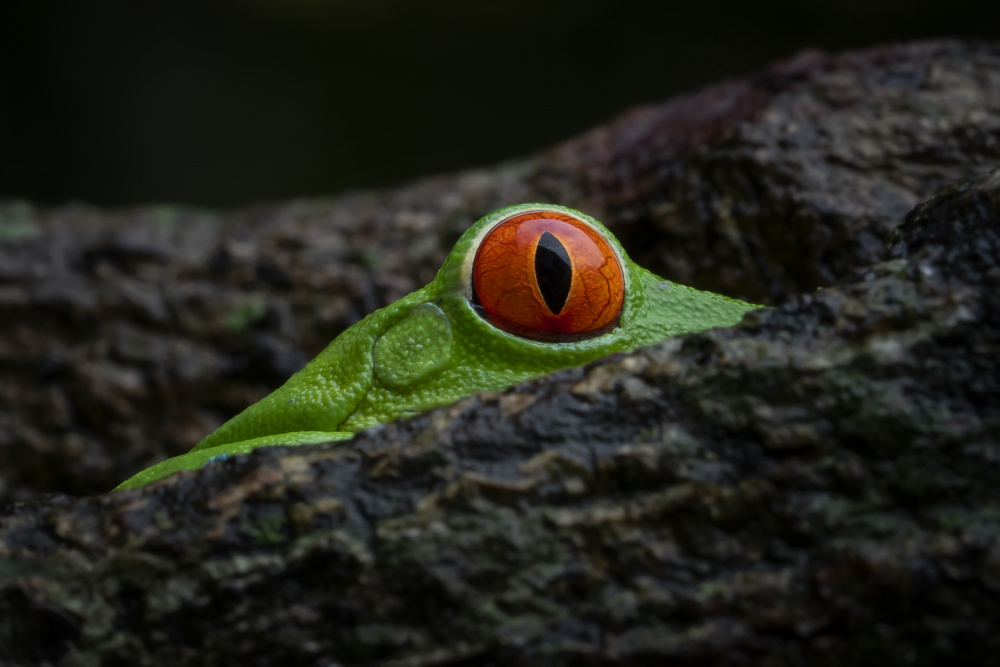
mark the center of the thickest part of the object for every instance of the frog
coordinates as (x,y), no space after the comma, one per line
(527,290)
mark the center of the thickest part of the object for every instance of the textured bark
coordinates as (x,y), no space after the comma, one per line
(815,486)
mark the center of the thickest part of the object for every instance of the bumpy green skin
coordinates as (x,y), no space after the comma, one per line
(431,348)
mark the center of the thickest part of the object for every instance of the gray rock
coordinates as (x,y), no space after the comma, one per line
(816,486)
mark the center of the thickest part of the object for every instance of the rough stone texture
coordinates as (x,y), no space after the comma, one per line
(126,336)
(817,486)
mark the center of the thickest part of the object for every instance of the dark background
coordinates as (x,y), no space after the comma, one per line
(226,102)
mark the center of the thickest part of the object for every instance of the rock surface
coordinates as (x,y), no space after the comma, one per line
(817,486)
(128,335)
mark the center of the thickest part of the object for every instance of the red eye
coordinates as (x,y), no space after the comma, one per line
(548,276)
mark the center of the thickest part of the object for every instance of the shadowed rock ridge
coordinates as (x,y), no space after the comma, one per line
(814,487)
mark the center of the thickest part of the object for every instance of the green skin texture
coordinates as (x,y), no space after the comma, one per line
(432,348)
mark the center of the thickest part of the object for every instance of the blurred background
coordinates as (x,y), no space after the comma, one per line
(229,102)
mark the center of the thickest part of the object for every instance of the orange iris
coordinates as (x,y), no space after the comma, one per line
(548,276)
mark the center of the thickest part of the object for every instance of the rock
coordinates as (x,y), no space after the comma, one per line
(815,486)
(763,188)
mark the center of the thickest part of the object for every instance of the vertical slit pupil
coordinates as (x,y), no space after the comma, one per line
(553,271)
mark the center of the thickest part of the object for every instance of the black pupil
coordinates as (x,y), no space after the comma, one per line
(553,271)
